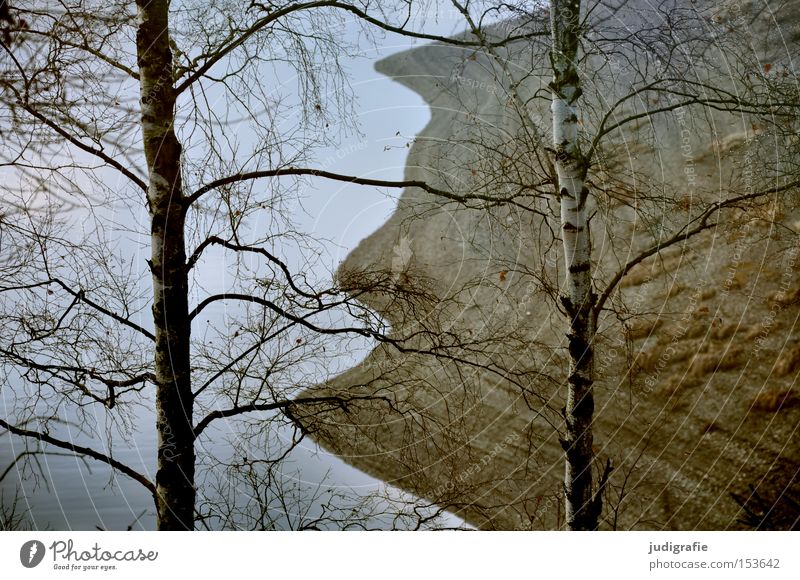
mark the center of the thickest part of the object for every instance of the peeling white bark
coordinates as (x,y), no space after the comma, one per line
(581,508)
(175,492)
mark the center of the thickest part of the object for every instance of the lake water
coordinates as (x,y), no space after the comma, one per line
(87,495)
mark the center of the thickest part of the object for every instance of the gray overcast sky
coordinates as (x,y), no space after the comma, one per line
(344,214)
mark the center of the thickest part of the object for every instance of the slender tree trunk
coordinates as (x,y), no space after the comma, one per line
(175,474)
(579,300)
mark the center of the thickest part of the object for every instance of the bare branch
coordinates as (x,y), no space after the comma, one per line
(239,248)
(80,450)
(336,401)
(495,200)
(80,294)
(685,234)
(275,15)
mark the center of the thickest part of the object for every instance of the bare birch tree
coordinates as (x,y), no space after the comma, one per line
(641,65)
(579,301)
(75,324)
(83,338)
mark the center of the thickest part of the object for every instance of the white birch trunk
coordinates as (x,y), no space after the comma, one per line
(175,492)
(582,510)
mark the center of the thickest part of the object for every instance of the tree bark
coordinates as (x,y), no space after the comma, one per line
(175,492)
(579,301)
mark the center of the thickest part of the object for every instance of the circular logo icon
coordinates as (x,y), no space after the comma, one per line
(31,553)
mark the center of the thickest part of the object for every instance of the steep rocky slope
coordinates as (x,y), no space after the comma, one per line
(697,353)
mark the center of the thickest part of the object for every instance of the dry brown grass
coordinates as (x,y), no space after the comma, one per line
(750,332)
(768,212)
(775,400)
(696,329)
(682,331)
(784,300)
(788,362)
(642,328)
(702,311)
(653,268)
(638,276)
(717,361)
(769,276)
(708,293)
(723,331)
(737,281)
(674,289)
(676,388)
(649,361)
